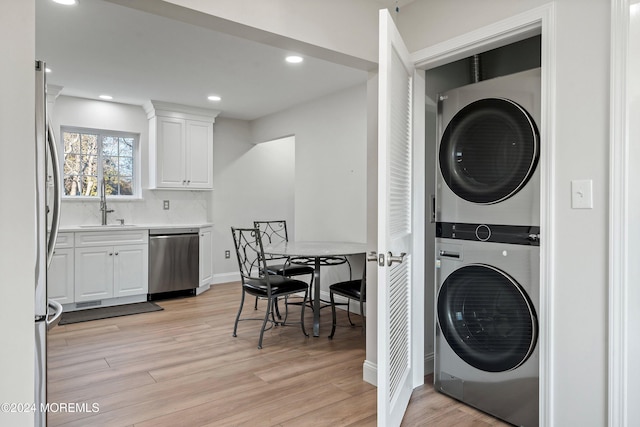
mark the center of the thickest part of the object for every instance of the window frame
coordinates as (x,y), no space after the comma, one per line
(101,133)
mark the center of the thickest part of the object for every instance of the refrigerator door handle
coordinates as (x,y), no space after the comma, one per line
(55,166)
(57,313)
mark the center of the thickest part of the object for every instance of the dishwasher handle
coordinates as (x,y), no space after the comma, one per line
(159,232)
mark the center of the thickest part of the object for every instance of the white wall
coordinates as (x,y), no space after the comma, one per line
(252,182)
(17,209)
(330,187)
(579,331)
(186,207)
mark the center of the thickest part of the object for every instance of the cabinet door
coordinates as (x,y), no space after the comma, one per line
(199,154)
(60,277)
(206,255)
(93,273)
(130,270)
(170,152)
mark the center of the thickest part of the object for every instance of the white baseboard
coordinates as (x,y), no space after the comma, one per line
(428,363)
(370,372)
(203,288)
(225,278)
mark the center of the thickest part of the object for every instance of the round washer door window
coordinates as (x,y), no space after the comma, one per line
(487,318)
(489,150)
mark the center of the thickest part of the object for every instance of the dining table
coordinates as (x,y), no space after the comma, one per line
(317,254)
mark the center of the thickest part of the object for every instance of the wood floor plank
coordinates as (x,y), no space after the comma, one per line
(182,367)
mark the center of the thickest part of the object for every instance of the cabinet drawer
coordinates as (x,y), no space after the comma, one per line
(102,238)
(64,240)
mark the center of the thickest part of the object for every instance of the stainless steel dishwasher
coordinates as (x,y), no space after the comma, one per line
(174,260)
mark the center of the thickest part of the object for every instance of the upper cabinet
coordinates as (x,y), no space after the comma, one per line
(180,146)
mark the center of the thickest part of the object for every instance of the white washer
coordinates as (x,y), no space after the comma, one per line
(486,341)
(488,151)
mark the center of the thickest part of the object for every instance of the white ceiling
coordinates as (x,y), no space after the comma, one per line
(97,47)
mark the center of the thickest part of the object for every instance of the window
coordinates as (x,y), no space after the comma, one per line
(91,155)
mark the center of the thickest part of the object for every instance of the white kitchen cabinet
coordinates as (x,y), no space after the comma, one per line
(111,265)
(206,256)
(60,279)
(180,146)
(94,273)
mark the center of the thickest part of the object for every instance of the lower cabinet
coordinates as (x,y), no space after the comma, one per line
(206,256)
(105,268)
(110,272)
(60,279)
(60,283)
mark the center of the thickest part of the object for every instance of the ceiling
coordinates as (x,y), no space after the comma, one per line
(98,47)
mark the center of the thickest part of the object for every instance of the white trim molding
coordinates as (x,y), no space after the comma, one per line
(540,20)
(618,219)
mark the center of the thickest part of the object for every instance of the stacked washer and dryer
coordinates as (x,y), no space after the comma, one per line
(487,246)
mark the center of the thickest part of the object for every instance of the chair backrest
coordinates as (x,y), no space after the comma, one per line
(271,233)
(250,253)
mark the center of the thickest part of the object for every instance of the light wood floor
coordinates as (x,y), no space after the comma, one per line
(182,367)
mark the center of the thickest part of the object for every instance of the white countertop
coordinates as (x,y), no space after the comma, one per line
(117,227)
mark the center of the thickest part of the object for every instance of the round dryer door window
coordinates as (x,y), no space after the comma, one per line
(489,150)
(487,318)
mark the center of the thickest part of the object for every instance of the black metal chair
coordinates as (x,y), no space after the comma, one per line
(258,282)
(274,232)
(352,290)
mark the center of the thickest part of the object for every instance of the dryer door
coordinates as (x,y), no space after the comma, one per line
(487,318)
(489,150)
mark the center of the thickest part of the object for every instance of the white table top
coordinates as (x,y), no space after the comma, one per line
(316,249)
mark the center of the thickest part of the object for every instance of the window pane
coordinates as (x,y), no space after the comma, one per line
(110,166)
(89,144)
(71,164)
(89,165)
(71,142)
(111,185)
(126,186)
(126,166)
(89,186)
(126,147)
(71,186)
(110,146)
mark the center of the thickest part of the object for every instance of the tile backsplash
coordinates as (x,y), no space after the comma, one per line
(186,207)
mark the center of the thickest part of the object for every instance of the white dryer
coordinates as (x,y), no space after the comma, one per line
(488,152)
(486,340)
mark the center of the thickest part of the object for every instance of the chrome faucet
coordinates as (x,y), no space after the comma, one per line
(103,202)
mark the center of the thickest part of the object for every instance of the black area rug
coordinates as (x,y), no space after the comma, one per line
(106,312)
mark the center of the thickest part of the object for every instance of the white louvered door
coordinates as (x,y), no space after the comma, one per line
(394,224)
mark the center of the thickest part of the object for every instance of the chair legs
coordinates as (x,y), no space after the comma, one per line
(235,326)
(271,308)
(333,314)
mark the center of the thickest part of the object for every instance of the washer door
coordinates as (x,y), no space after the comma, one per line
(489,150)
(487,318)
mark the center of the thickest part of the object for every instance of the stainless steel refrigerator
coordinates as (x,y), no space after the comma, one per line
(47,312)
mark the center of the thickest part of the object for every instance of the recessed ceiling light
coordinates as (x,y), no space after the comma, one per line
(47,70)
(214,98)
(66,2)
(294,59)
(106,97)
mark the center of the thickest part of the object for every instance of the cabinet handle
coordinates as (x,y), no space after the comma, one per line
(116,253)
(111,254)
(184,182)
(188,181)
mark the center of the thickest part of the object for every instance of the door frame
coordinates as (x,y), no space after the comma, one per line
(540,20)
(623,245)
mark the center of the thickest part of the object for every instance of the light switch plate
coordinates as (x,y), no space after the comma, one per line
(165,204)
(582,194)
